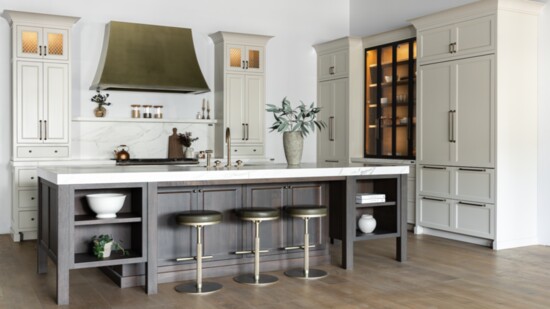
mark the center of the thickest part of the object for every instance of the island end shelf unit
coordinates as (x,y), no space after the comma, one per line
(391,216)
(66,239)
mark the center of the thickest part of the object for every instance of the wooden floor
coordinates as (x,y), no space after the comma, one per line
(439,274)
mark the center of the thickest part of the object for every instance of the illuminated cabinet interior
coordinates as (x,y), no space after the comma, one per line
(390,99)
(42,43)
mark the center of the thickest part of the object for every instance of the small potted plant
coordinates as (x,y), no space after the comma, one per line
(186,140)
(104,244)
(295,124)
(101,100)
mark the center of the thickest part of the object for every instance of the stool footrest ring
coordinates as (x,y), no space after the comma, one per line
(193,258)
(297,247)
(250,252)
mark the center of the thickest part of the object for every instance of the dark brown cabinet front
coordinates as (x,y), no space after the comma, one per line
(390,99)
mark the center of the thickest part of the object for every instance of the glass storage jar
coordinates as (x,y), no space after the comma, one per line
(135,111)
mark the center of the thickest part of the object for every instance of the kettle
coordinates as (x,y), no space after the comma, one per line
(121,153)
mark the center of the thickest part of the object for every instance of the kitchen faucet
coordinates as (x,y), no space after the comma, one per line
(228,141)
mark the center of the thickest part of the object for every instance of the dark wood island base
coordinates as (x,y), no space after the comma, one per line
(147,227)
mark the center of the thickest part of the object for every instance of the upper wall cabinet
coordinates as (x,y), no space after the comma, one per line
(42,43)
(333,66)
(467,38)
(244,58)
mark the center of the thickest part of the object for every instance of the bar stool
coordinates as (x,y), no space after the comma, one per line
(256,215)
(306,212)
(198,219)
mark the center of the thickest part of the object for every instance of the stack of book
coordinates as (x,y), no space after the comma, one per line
(369,198)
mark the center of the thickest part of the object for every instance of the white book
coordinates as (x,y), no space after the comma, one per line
(370,201)
(370,196)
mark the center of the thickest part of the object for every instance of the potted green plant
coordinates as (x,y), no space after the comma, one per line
(295,124)
(104,244)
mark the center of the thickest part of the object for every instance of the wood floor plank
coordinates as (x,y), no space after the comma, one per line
(440,273)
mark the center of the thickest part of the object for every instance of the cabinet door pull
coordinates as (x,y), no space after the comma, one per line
(331,70)
(331,128)
(247,64)
(454,48)
(45,50)
(247,131)
(433,199)
(40,50)
(472,204)
(435,167)
(332,161)
(450,126)
(40,124)
(453,113)
(472,169)
(45,129)
(244,132)
(450,48)
(243,66)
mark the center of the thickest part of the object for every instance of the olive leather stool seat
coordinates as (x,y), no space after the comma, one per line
(306,212)
(256,215)
(198,219)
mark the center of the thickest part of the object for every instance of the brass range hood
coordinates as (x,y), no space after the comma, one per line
(138,57)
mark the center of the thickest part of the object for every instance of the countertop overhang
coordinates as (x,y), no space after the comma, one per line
(73,175)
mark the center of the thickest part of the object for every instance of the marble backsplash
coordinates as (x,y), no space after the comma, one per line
(98,139)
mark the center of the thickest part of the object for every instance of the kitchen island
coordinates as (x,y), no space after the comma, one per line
(161,251)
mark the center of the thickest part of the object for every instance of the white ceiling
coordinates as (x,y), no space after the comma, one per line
(368,17)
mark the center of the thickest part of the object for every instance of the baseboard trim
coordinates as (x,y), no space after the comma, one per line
(454,236)
(515,243)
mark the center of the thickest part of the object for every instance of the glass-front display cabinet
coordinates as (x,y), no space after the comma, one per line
(390,100)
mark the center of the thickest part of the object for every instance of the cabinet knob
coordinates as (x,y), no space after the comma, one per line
(32,219)
(32,178)
(55,151)
(30,151)
(32,198)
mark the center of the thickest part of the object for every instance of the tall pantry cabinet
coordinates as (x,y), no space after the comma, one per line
(477,123)
(40,59)
(340,96)
(240,93)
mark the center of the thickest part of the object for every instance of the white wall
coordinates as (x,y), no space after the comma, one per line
(544,128)
(291,61)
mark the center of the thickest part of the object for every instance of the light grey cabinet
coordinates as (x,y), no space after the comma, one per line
(473,219)
(467,38)
(333,139)
(457,113)
(339,94)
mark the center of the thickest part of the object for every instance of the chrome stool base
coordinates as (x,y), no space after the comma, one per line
(262,280)
(301,274)
(191,288)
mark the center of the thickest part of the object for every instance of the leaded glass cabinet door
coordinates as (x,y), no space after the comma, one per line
(243,58)
(42,43)
(390,100)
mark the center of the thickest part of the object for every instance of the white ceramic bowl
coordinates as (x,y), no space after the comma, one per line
(106,205)
(388,78)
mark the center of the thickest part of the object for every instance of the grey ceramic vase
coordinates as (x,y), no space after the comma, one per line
(293,143)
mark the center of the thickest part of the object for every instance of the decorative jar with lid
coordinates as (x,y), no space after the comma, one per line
(367,223)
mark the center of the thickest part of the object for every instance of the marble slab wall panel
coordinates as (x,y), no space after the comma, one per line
(97,140)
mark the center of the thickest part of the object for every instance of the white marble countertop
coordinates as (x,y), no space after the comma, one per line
(67,175)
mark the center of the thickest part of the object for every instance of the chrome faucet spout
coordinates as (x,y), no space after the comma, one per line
(228,142)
